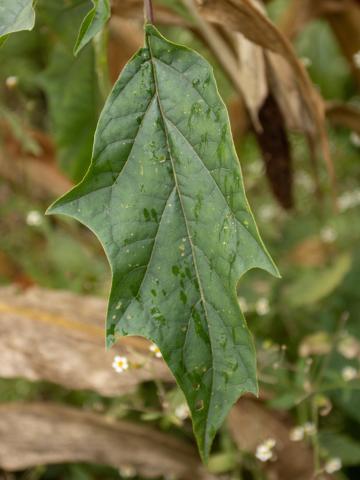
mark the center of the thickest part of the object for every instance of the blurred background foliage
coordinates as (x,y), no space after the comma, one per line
(306,325)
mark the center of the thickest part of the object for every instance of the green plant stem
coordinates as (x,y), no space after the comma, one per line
(315,439)
(149,11)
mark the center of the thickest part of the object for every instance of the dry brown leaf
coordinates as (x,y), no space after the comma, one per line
(284,87)
(252,73)
(343,17)
(344,115)
(276,152)
(345,25)
(43,181)
(244,17)
(297,15)
(61,341)
(252,76)
(59,337)
(126,37)
(250,80)
(38,434)
(251,423)
(36,173)
(12,272)
(239,118)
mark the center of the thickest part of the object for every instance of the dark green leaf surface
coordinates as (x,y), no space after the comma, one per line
(15,15)
(165,196)
(93,23)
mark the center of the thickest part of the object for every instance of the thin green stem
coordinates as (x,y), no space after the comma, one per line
(315,439)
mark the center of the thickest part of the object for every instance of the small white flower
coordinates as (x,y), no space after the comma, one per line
(120,364)
(182,411)
(270,443)
(11,82)
(309,428)
(333,465)
(349,200)
(155,350)
(303,179)
(263,454)
(127,471)
(34,218)
(324,405)
(349,373)
(267,212)
(349,347)
(264,451)
(262,306)
(256,167)
(297,434)
(328,235)
(355,139)
(356,58)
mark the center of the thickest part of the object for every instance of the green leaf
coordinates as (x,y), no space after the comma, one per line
(342,446)
(92,23)
(72,91)
(15,15)
(61,20)
(313,286)
(223,462)
(70,85)
(164,194)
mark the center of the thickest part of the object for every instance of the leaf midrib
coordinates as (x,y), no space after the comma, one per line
(202,296)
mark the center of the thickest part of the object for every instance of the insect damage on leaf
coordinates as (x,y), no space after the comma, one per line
(164,195)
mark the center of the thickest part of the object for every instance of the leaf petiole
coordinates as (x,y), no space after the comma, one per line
(148,12)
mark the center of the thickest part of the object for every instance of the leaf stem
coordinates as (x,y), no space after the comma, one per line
(148,11)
